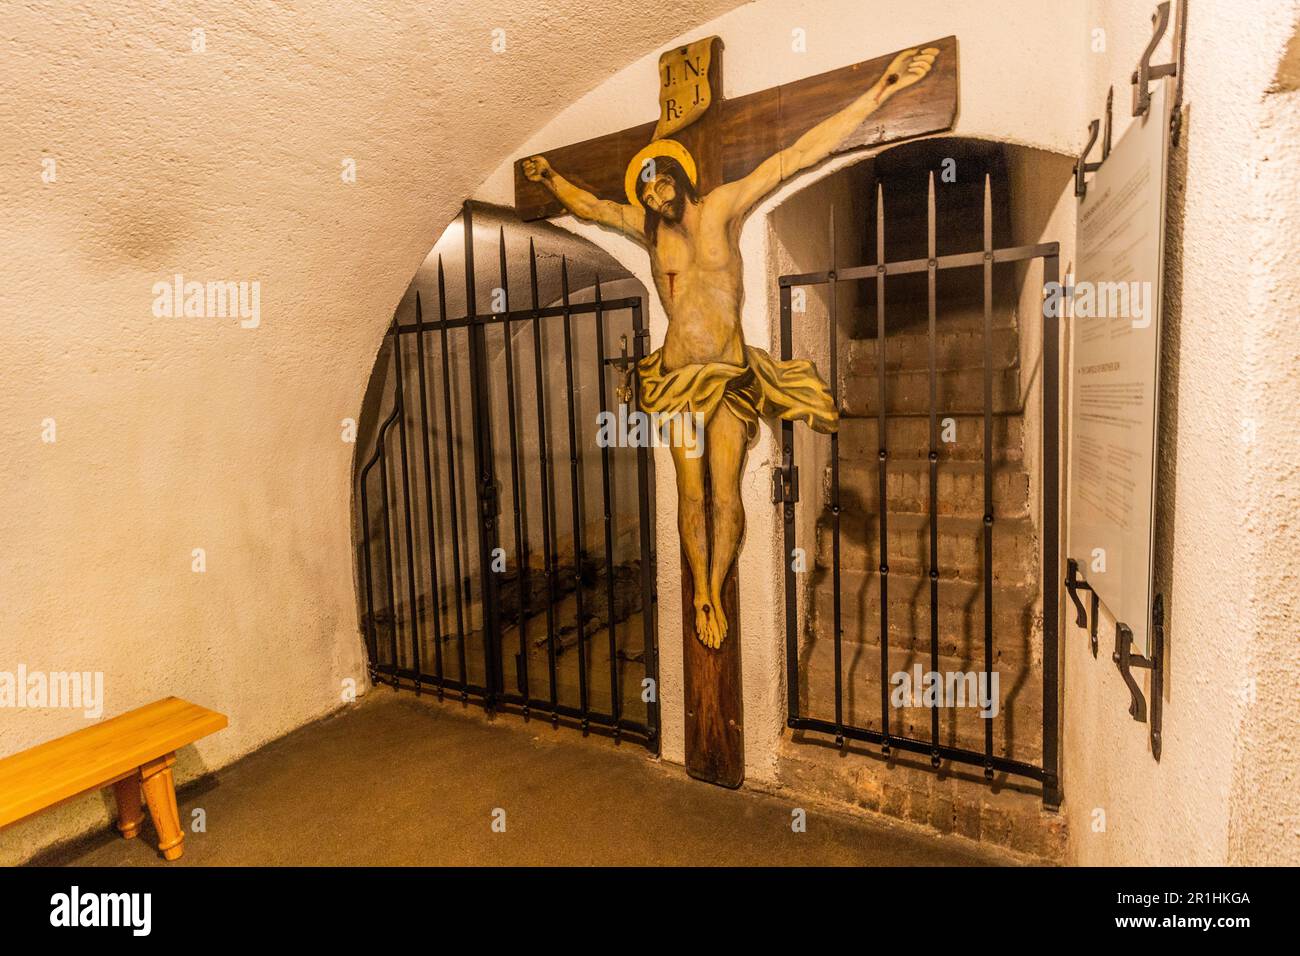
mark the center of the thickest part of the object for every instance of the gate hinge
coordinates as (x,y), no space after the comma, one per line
(785,485)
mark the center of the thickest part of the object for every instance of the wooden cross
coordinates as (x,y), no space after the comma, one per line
(728,139)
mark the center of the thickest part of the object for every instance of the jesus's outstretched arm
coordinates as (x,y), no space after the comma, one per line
(628,219)
(738,197)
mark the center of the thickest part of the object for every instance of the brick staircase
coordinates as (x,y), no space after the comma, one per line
(956,798)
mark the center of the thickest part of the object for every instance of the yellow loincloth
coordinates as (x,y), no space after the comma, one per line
(761,388)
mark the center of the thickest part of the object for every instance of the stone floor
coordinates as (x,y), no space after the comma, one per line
(397,780)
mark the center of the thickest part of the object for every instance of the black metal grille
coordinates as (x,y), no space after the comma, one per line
(1047,772)
(411,606)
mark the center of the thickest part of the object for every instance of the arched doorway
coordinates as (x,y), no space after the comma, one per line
(503,521)
(929,520)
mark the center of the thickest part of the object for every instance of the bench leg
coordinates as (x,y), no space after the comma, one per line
(160,794)
(130,813)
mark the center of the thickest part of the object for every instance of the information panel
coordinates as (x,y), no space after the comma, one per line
(1115,363)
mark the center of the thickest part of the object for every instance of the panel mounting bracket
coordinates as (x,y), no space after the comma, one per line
(1082,166)
(1073,585)
(1125,659)
(1145,72)
(1140,80)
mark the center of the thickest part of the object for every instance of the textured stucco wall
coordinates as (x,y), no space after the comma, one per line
(997,102)
(1224,789)
(175,434)
(1264,822)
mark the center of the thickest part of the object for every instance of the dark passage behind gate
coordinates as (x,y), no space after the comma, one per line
(504,554)
(930,556)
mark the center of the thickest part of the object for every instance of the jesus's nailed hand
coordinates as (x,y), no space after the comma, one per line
(909,67)
(536,168)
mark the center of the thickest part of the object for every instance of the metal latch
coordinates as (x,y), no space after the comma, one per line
(489,498)
(785,485)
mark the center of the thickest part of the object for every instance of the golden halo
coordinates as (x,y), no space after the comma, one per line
(658,147)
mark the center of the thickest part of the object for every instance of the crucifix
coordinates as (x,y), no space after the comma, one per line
(681,188)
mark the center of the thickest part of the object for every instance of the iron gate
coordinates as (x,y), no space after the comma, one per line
(453,603)
(786,483)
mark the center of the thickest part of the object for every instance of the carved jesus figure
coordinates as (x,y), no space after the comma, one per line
(704,370)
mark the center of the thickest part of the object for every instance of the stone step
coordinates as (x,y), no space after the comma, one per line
(955,348)
(961,547)
(1017,726)
(909,437)
(957,801)
(961,616)
(908,392)
(907,488)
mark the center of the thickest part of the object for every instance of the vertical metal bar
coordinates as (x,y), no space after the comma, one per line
(988,468)
(548,540)
(388,557)
(832,291)
(1051,539)
(400,387)
(372,637)
(881,437)
(434,592)
(615,696)
(577,506)
(522,579)
(650,650)
(788,513)
(451,486)
(483,464)
(932,263)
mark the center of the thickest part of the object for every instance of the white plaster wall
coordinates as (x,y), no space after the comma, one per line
(1264,823)
(175,434)
(1003,96)
(1224,789)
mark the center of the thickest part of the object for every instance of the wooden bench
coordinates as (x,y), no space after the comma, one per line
(133,752)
